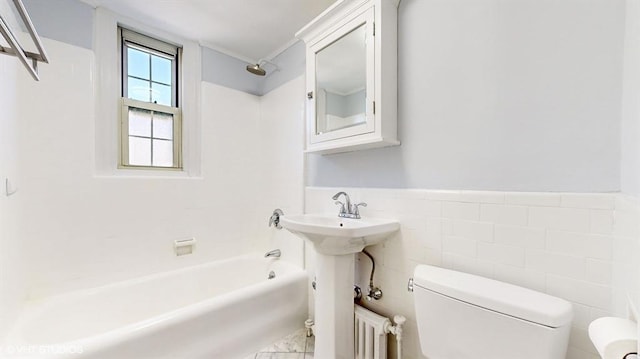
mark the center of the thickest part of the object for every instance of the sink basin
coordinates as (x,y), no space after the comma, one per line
(332,235)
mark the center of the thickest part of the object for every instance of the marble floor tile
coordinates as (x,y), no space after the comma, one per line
(293,343)
(280,356)
(293,346)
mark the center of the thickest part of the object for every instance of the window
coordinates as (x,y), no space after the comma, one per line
(150,120)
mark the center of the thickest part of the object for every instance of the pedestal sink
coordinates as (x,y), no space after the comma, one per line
(336,240)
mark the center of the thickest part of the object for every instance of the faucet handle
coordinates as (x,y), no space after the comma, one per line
(356,209)
(275,218)
(343,209)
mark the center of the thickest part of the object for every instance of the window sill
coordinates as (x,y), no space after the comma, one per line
(148,174)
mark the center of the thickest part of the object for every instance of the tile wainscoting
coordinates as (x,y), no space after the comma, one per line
(582,247)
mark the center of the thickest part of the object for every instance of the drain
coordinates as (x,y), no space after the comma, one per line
(272,275)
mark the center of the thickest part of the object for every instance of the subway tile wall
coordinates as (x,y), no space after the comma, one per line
(580,247)
(81,230)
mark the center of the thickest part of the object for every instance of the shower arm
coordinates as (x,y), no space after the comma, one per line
(265,61)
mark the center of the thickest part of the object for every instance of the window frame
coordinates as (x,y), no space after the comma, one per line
(131,39)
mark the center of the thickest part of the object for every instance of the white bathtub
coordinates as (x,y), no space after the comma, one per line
(225,309)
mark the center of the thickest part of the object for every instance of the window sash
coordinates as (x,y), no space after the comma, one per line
(134,40)
(128,104)
(149,42)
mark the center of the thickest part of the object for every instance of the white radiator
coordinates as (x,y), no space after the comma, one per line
(371,331)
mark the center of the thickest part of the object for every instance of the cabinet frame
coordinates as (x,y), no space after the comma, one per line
(380,128)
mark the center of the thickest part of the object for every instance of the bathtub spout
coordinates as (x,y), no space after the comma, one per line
(274,253)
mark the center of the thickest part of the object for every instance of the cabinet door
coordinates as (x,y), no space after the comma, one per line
(341,81)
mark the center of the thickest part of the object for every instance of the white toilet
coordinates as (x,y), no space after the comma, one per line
(464,316)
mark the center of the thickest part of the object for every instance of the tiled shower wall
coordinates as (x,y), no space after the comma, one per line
(86,230)
(580,247)
(11,264)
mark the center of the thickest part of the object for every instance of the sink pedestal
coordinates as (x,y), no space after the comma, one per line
(335,241)
(334,306)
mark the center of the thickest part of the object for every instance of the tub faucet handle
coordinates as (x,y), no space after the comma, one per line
(274,220)
(274,253)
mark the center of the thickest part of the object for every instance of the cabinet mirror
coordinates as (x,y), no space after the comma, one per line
(341,79)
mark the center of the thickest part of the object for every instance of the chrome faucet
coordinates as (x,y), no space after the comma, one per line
(347,210)
(345,207)
(274,253)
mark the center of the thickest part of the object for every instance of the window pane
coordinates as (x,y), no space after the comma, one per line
(160,70)
(139,122)
(138,63)
(161,94)
(163,125)
(162,153)
(139,151)
(139,90)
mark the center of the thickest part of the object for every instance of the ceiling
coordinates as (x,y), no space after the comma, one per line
(247,29)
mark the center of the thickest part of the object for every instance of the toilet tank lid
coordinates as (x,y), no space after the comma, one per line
(497,296)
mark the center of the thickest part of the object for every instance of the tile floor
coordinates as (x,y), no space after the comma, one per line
(293,346)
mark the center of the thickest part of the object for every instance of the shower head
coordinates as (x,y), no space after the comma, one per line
(256,70)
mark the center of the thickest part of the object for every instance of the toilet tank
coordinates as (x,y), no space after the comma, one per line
(462,316)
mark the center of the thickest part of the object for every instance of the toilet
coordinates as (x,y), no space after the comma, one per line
(463,316)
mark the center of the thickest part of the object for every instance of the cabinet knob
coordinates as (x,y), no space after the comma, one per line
(310,95)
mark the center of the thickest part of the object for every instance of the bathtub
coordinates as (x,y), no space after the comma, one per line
(223,309)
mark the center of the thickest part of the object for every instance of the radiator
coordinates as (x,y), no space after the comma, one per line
(371,331)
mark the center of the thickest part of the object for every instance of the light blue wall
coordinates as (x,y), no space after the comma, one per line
(291,63)
(495,95)
(499,95)
(227,71)
(71,21)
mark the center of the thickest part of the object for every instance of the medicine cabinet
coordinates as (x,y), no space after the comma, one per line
(351,83)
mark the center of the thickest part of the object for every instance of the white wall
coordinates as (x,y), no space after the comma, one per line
(281,178)
(561,244)
(12,278)
(90,230)
(626,247)
(12,274)
(625,263)
(84,230)
(499,95)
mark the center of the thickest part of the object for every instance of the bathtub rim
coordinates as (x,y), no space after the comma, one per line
(166,319)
